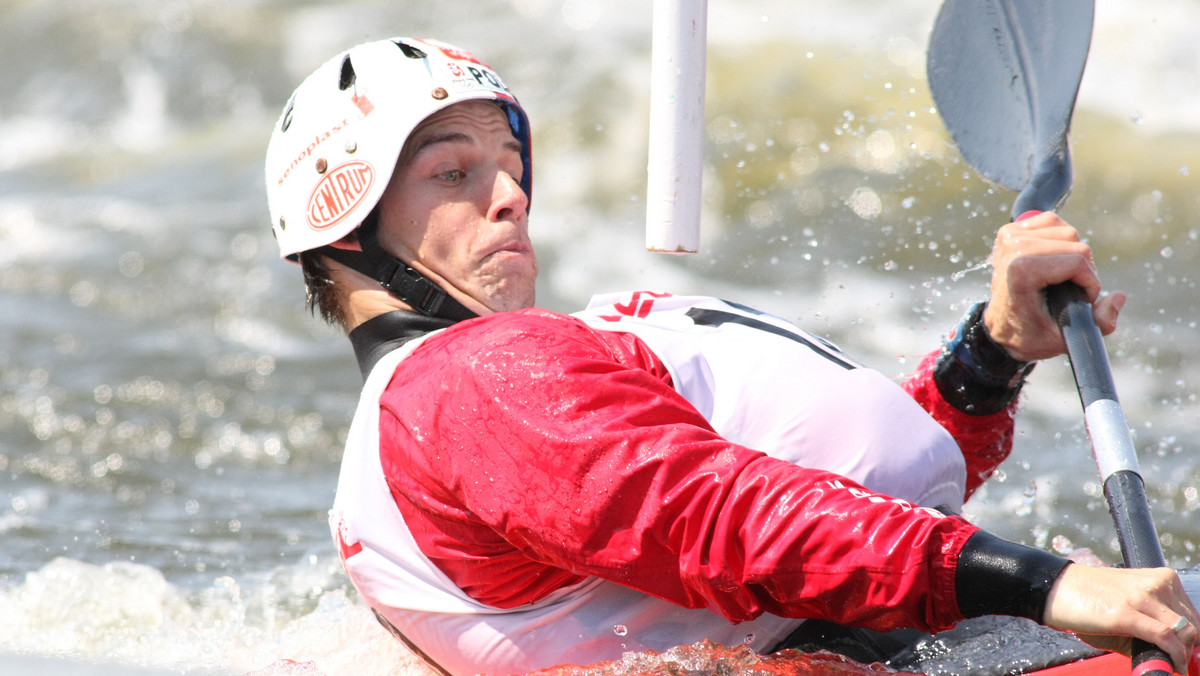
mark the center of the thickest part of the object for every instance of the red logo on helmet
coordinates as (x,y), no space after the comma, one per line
(364,104)
(339,192)
(455,69)
(452,51)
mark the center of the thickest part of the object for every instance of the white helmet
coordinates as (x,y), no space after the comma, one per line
(333,150)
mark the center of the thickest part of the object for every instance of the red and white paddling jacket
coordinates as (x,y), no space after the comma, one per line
(530,489)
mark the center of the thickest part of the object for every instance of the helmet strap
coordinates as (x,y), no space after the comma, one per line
(400,279)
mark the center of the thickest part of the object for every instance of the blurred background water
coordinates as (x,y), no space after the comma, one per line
(171,418)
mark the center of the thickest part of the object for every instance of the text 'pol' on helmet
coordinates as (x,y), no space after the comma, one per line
(334,148)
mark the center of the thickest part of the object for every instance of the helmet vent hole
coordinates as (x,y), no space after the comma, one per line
(286,121)
(347,77)
(410,51)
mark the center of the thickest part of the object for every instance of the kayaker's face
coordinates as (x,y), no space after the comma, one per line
(455,211)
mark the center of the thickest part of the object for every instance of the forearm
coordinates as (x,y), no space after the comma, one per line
(997,577)
(974,373)
(971,387)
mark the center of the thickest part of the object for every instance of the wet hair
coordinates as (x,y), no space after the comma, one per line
(321,295)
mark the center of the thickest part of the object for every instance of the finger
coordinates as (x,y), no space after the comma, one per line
(1054,232)
(1016,237)
(1186,630)
(1157,628)
(1177,644)
(1178,636)
(1016,246)
(1189,634)
(1033,273)
(1106,310)
(1046,222)
(1039,218)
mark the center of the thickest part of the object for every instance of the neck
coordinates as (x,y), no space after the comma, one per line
(363,298)
(364,304)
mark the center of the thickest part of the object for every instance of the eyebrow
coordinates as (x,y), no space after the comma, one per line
(448,137)
(453,137)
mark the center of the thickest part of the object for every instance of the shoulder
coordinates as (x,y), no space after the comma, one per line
(527,344)
(521,329)
(519,337)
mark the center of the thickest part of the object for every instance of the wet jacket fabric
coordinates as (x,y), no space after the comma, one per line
(530,489)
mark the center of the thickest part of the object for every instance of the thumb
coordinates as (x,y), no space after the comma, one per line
(1106,309)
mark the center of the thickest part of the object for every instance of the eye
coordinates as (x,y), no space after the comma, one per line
(453,175)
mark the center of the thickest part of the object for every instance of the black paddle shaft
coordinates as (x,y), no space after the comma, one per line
(1005,75)
(1111,443)
(1107,428)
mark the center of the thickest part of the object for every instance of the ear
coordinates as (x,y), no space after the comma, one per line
(348,243)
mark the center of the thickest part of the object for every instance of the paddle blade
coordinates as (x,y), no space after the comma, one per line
(1004,75)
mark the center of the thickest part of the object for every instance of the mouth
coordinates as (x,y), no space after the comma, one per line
(518,248)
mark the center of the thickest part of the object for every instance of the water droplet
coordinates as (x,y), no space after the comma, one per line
(1030,491)
(620,630)
(1167,252)
(749,639)
(1029,496)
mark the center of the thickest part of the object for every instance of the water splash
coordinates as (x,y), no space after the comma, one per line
(983,265)
(711,659)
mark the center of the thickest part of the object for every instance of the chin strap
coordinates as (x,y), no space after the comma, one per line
(401,280)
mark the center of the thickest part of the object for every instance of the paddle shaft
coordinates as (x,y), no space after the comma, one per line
(1112,446)
(1107,428)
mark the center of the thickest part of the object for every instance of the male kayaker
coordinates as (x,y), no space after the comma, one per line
(522,488)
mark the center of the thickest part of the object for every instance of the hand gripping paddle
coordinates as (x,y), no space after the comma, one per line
(1005,74)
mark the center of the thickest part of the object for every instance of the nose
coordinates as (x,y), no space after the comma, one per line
(509,201)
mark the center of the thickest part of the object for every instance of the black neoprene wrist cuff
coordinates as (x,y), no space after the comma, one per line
(974,373)
(998,577)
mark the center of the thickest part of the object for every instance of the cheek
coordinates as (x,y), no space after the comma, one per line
(404,228)
(447,238)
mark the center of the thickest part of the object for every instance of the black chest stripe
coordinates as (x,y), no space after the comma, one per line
(704,317)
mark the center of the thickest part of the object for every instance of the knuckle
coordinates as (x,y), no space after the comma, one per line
(1020,268)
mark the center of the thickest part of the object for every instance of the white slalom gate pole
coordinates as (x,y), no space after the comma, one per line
(676,159)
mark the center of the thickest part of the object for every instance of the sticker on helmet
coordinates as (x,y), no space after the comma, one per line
(312,147)
(474,78)
(451,51)
(363,103)
(338,193)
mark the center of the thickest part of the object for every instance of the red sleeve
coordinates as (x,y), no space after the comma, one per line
(527,450)
(985,440)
